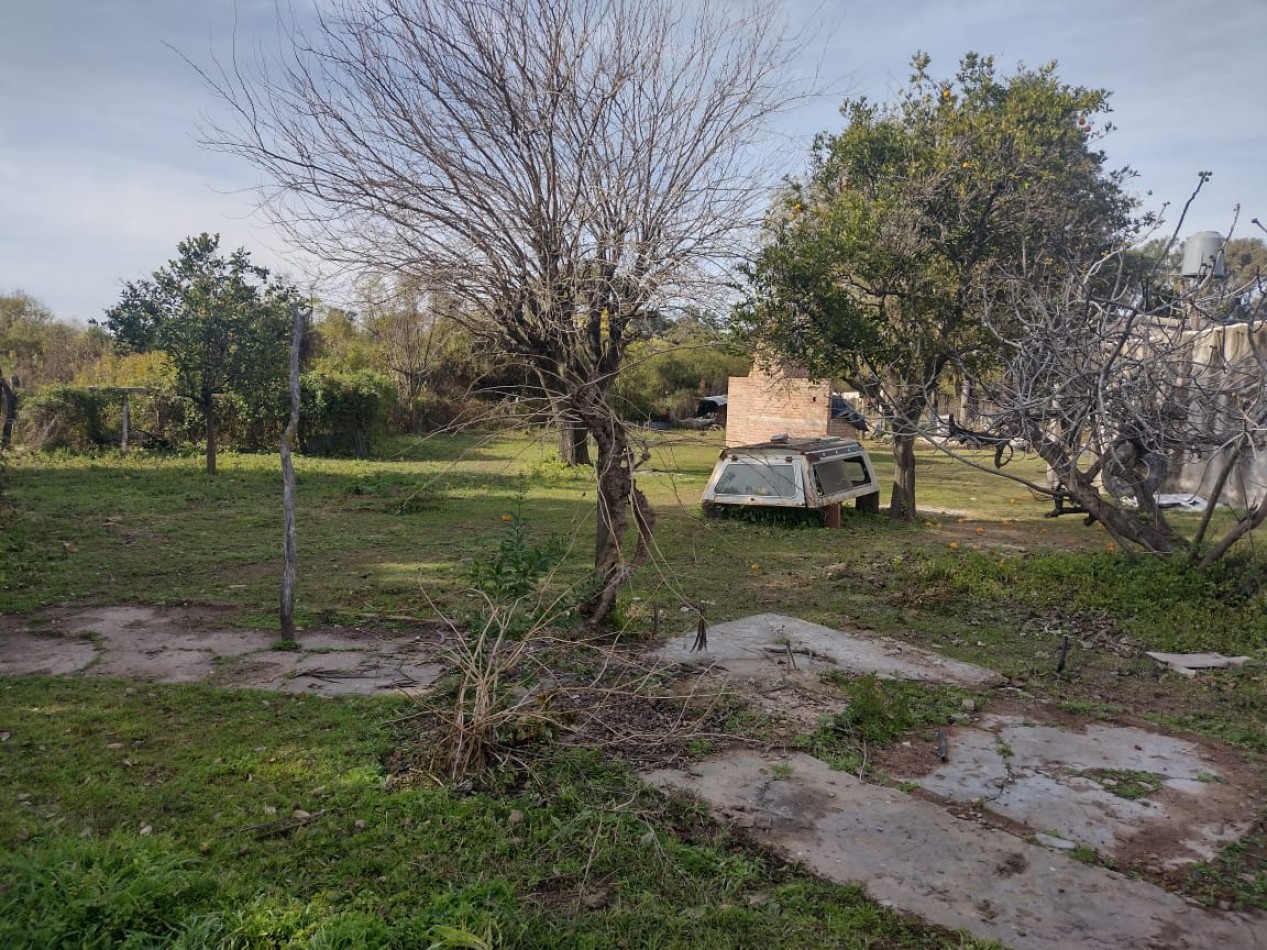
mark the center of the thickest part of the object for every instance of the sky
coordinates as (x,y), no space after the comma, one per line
(102,174)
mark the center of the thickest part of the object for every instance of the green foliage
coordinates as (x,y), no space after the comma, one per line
(71,417)
(412,337)
(1130,784)
(341,411)
(881,265)
(664,377)
(37,348)
(1166,603)
(550,469)
(1086,855)
(223,325)
(519,564)
(120,890)
(877,713)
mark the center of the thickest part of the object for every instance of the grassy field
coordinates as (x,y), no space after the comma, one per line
(571,852)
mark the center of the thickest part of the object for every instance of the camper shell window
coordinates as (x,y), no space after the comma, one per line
(759,479)
(840,475)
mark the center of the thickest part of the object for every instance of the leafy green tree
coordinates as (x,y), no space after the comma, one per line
(666,374)
(880,263)
(1246,260)
(38,348)
(222,323)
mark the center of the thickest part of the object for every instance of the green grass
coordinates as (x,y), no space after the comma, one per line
(157,816)
(877,713)
(989,579)
(1131,784)
(983,577)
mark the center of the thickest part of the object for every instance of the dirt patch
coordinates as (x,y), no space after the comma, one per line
(44,654)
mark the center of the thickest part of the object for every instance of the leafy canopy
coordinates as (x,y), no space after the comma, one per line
(221,322)
(879,264)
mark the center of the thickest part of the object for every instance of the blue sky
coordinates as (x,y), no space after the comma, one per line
(101,173)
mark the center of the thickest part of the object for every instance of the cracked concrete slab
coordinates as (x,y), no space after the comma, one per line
(172,646)
(332,672)
(758,646)
(915,856)
(1106,787)
(34,654)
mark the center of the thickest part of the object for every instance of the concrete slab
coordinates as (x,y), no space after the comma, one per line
(760,646)
(171,646)
(1107,787)
(145,629)
(31,654)
(914,856)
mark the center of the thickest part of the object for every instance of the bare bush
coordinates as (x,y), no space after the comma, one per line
(1131,384)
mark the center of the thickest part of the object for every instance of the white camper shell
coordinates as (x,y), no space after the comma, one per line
(814,474)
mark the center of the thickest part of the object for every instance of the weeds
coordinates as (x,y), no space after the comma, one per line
(1131,784)
(552,470)
(877,713)
(118,889)
(519,564)
(581,854)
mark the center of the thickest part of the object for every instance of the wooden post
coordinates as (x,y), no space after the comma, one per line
(831,515)
(123,442)
(9,400)
(299,318)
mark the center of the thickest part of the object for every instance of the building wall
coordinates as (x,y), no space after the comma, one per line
(766,403)
(1226,359)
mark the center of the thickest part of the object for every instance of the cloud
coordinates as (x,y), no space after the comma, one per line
(100,175)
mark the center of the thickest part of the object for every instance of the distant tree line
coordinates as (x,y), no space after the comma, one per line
(398,362)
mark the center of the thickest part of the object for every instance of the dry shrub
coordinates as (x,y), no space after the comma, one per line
(499,702)
(516,685)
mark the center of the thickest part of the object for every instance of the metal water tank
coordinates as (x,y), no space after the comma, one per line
(1203,256)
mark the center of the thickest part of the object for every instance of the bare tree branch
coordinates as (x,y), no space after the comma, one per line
(558,166)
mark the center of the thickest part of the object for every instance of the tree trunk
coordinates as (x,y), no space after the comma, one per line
(902,500)
(617,497)
(907,409)
(574,447)
(1154,536)
(572,430)
(127,424)
(209,417)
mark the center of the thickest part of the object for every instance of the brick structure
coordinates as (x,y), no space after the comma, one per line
(772,400)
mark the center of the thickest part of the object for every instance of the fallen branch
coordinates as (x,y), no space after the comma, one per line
(284,826)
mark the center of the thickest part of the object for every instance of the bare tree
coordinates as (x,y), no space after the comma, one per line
(1121,381)
(561,166)
(413,332)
